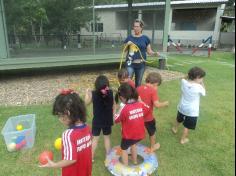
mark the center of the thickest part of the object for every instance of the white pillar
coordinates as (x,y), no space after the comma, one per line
(170,20)
(140,14)
(216,33)
(4,49)
(94,40)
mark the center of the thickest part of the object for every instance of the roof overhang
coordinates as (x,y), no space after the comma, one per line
(153,4)
(227,18)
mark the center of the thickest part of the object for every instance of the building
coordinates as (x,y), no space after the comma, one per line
(227,32)
(191,21)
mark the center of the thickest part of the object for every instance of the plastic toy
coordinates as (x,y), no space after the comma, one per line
(147,167)
(20,142)
(11,147)
(58,144)
(19,127)
(209,39)
(19,139)
(20,130)
(43,157)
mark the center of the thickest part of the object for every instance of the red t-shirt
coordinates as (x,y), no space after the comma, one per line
(131,83)
(132,122)
(148,95)
(77,145)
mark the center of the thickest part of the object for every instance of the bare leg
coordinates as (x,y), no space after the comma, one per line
(124,157)
(94,145)
(154,146)
(134,154)
(107,143)
(175,127)
(184,138)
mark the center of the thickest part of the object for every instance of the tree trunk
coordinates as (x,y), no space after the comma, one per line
(41,31)
(16,38)
(33,32)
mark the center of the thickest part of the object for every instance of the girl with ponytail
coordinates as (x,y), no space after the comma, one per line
(103,106)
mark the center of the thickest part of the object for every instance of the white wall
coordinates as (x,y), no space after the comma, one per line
(227,38)
(108,18)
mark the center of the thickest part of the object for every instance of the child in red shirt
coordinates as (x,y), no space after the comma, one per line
(149,95)
(130,116)
(123,77)
(76,140)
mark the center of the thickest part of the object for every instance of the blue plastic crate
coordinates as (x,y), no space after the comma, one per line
(19,139)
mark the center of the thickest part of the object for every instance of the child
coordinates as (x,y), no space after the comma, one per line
(123,77)
(103,106)
(76,140)
(149,95)
(188,108)
(130,116)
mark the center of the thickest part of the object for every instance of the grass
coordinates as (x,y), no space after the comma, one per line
(211,148)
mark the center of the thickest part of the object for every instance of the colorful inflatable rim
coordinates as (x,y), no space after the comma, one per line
(148,166)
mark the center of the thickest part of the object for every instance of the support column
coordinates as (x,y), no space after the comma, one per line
(130,19)
(4,49)
(216,33)
(166,25)
(153,26)
(140,14)
(94,28)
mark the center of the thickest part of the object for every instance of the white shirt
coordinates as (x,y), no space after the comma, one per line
(190,98)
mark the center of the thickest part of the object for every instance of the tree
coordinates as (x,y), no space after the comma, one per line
(35,16)
(14,20)
(65,17)
(23,16)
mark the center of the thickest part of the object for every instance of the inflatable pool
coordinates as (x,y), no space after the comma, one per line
(147,167)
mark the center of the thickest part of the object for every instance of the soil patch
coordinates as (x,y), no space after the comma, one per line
(42,89)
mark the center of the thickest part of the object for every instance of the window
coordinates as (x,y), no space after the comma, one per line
(98,27)
(194,19)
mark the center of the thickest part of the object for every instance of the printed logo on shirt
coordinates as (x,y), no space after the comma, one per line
(83,143)
(136,113)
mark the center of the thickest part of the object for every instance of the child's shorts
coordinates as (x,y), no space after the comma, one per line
(188,121)
(151,127)
(97,130)
(126,143)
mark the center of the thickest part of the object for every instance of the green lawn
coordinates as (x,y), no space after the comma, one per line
(211,148)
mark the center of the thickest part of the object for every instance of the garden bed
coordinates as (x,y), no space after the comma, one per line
(42,88)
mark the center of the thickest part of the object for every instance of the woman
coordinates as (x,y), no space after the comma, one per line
(138,46)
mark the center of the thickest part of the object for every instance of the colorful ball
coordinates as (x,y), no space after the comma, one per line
(19,139)
(58,144)
(11,147)
(21,144)
(19,127)
(43,157)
